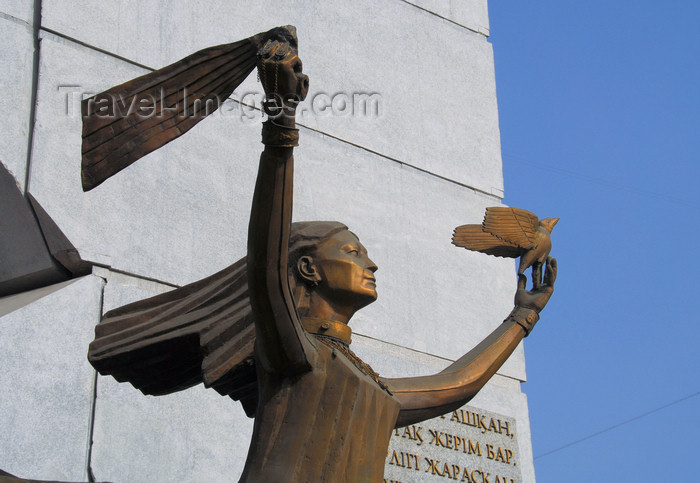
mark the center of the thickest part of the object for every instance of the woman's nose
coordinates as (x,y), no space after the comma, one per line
(371,265)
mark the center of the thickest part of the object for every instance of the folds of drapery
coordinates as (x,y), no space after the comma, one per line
(202,332)
(128,121)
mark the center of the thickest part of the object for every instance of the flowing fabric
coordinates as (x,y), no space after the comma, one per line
(202,332)
(128,121)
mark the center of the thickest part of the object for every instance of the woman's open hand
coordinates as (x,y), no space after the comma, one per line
(542,289)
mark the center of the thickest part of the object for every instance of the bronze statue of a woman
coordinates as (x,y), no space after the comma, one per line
(272,330)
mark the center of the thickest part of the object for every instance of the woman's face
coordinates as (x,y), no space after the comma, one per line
(347,273)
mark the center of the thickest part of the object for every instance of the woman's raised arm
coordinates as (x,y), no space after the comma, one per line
(430,396)
(281,343)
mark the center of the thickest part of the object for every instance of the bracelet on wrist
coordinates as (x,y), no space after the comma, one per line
(525,318)
(279,136)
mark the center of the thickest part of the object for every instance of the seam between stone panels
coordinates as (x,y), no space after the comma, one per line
(403,163)
(404,347)
(135,275)
(35,92)
(93,402)
(377,153)
(91,426)
(97,49)
(444,18)
(514,378)
(16,20)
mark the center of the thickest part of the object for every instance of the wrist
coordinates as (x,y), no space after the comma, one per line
(287,118)
(283,113)
(524,317)
(276,134)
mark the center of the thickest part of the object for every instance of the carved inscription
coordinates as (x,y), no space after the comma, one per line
(467,445)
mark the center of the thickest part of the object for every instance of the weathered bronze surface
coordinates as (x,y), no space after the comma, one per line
(509,232)
(128,121)
(272,330)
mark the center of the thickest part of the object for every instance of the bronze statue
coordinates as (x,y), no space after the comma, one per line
(272,330)
(511,233)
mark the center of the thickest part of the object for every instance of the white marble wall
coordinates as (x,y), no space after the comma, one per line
(16,58)
(427,69)
(402,181)
(47,383)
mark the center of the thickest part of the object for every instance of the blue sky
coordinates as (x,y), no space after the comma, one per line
(599,104)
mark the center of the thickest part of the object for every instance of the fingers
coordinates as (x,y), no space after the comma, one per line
(274,48)
(266,50)
(283,51)
(550,272)
(276,51)
(536,275)
(522,282)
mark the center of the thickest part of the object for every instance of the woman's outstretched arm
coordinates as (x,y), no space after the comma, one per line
(281,344)
(430,396)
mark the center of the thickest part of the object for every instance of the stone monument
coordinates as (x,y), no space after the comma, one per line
(430,164)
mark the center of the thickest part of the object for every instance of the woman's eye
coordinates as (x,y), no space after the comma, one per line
(354,252)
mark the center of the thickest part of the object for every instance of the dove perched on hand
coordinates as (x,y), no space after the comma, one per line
(509,232)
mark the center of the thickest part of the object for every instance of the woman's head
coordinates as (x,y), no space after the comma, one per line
(329,270)
(305,236)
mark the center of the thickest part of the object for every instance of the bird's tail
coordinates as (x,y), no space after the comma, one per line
(473,237)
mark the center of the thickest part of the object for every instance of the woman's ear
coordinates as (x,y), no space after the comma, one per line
(307,270)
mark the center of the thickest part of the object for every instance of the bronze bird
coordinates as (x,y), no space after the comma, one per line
(509,232)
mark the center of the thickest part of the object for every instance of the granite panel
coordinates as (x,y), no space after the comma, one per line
(19,9)
(122,289)
(47,382)
(434,79)
(468,444)
(16,54)
(193,435)
(190,436)
(503,400)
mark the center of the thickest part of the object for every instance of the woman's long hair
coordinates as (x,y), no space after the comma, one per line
(202,332)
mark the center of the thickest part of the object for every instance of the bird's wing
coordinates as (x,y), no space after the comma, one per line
(516,226)
(473,237)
